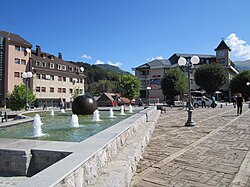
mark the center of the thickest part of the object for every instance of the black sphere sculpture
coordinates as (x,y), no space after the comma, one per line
(84,105)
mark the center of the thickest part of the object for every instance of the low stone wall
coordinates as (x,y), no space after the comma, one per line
(108,158)
(13,162)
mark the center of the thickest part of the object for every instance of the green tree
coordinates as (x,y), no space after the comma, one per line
(174,83)
(129,86)
(17,99)
(238,83)
(210,77)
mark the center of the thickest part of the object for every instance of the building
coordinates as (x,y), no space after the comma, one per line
(53,78)
(151,73)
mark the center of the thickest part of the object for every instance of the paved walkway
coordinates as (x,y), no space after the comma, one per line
(213,153)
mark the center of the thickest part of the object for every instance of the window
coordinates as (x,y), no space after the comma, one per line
(80,91)
(59,78)
(59,67)
(17,48)
(59,90)
(38,89)
(38,76)
(64,79)
(51,65)
(43,89)
(71,68)
(51,89)
(80,80)
(43,64)
(63,67)
(70,79)
(64,90)
(44,76)
(23,49)
(144,72)
(38,63)
(23,62)
(52,77)
(71,90)
(16,74)
(77,70)
(17,61)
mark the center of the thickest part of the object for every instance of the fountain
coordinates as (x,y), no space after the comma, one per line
(37,130)
(52,112)
(74,121)
(130,109)
(111,113)
(96,116)
(122,110)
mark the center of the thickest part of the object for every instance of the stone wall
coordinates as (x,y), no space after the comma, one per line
(108,158)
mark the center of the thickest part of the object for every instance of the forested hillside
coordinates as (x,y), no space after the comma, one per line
(98,80)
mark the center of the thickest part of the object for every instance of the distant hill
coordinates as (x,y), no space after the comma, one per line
(114,69)
(242,65)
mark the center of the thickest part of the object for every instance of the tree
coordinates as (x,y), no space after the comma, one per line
(17,99)
(238,83)
(174,83)
(210,77)
(129,86)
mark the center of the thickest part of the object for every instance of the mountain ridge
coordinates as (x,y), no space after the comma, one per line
(112,68)
(242,65)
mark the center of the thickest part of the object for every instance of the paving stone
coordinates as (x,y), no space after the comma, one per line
(209,154)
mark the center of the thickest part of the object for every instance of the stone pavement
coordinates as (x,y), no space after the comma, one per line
(215,152)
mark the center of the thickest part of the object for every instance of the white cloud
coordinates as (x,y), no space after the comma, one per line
(84,56)
(99,62)
(239,47)
(118,64)
(155,58)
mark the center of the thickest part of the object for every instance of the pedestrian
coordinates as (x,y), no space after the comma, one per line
(203,102)
(239,103)
(140,102)
(213,105)
(44,106)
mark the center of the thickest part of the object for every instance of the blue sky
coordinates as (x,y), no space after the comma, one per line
(129,33)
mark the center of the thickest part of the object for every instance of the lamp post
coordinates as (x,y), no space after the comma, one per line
(26,76)
(188,64)
(148,88)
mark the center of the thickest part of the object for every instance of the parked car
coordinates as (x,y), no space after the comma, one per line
(208,102)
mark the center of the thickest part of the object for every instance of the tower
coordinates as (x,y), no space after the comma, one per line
(223,54)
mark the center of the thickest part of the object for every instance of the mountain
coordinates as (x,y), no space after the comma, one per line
(242,65)
(114,69)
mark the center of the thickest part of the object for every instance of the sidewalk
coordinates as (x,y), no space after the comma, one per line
(213,153)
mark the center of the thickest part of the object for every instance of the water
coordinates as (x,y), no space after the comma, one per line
(74,121)
(57,128)
(37,127)
(96,116)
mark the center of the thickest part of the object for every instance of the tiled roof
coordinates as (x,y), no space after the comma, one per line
(222,45)
(155,63)
(199,55)
(15,39)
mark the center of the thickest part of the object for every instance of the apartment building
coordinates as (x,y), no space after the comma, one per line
(53,78)
(151,73)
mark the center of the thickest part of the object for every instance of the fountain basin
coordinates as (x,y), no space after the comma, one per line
(57,128)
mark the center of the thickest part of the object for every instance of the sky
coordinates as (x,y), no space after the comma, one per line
(129,33)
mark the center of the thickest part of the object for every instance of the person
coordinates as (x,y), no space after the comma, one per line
(203,103)
(140,102)
(61,104)
(44,106)
(239,103)
(213,105)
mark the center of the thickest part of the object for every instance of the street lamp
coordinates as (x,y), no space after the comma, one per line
(188,66)
(26,76)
